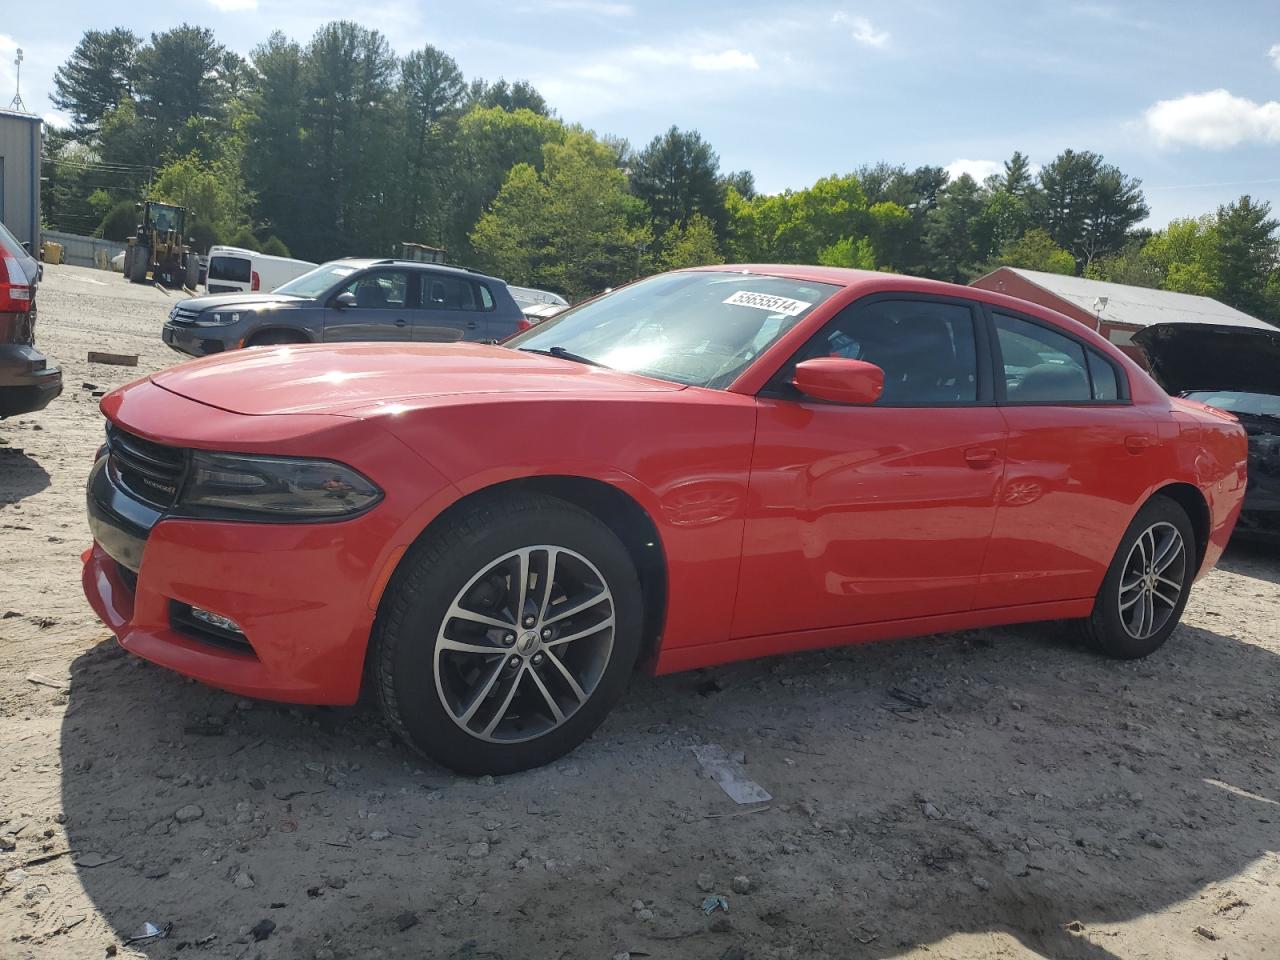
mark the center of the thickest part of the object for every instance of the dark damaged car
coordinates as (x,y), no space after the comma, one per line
(1236,369)
(28,382)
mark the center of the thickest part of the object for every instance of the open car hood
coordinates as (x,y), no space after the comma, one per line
(1210,356)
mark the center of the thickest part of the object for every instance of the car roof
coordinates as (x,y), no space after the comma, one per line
(361,263)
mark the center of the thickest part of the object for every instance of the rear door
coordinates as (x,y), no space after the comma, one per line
(1079,459)
(451,308)
(383,309)
(228,273)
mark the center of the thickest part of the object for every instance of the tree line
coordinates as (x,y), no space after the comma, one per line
(341,147)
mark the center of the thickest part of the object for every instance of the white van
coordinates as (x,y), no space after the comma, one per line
(232,270)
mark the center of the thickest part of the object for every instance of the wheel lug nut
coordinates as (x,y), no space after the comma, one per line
(528,621)
(513,662)
(537,659)
(546,633)
(508,638)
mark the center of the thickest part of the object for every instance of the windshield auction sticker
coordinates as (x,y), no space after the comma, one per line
(767,301)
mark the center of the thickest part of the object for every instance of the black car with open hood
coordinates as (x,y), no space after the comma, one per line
(1236,369)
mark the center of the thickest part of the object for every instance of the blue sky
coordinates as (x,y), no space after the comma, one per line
(1185,96)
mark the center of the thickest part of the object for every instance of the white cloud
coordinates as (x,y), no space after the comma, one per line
(234,6)
(1217,119)
(978,169)
(863,30)
(1274,54)
(724,60)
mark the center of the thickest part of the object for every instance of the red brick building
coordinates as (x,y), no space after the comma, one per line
(1115,310)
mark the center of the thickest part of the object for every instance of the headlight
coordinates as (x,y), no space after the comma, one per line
(219,319)
(275,488)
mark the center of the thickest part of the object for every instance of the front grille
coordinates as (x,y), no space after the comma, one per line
(150,471)
(183,314)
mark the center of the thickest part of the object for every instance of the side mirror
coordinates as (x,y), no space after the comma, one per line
(345,299)
(840,380)
(26,245)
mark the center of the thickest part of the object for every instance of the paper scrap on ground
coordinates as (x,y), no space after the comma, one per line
(716,764)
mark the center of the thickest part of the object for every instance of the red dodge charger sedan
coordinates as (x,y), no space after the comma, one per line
(704,466)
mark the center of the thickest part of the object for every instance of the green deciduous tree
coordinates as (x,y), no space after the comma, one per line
(573,226)
(690,245)
(1035,250)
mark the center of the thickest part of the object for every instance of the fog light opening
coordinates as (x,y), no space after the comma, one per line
(216,620)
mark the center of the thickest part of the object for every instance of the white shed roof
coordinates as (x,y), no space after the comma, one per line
(1139,306)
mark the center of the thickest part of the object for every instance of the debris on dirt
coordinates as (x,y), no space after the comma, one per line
(741,884)
(1206,933)
(406,920)
(982,883)
(188,813)
(706,883)
(149,932)
(88,386)
(709,686)
(715,902)
(242,880)
(717,765)
(114,359)
(262,929)
(90,860)
(41,680)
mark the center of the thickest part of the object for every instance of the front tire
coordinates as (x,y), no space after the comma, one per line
(507,635)
(139,263)
(1146,587)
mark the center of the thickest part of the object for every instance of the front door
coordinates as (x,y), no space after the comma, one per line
(382,310)
(859,514)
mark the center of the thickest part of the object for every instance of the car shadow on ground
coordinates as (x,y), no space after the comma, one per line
(992,780)
(1259,559)
(21,476)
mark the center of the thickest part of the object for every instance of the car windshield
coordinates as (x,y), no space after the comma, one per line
(317,281)
(700,328)
(1236,401)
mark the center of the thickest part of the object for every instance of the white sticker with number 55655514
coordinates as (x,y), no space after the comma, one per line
(767,301)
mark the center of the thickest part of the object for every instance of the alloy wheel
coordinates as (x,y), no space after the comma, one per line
(524,644)
(1152,580)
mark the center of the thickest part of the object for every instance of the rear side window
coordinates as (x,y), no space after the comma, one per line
(235,269)
(1040,365)
(1044,366)
(925,348)
(441,292)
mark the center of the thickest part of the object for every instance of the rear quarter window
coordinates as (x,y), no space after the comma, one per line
(235,269)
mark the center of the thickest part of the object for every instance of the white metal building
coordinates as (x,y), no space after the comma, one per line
(20,175)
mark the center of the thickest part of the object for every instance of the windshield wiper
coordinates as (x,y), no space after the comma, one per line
(564,353)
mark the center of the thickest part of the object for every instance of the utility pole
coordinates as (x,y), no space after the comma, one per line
(16,103)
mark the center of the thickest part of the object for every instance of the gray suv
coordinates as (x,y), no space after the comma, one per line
(28,382)
(351,300)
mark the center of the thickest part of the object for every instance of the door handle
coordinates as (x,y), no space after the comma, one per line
(400,321)
(471,325)
(1136,443)
(978,457)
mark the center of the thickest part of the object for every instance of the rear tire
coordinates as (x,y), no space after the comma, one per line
(1146,587)
(193,271)
(138,264)
(484,677)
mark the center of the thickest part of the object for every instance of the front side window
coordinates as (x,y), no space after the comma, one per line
(925,348)
(701,328)
(380,290)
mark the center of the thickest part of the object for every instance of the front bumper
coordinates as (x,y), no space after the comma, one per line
(197,341)
(27,382)
(300,592)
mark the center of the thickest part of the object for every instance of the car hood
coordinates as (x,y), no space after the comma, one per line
(223,301)
(324,378)
(1209,356)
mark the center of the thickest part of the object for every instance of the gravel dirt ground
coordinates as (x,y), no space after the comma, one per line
(993,794)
